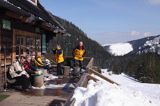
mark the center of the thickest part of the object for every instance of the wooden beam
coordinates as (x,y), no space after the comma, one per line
(101,76)
(89,77)
(81,82)
(12,15)
(16,16)
(90,64)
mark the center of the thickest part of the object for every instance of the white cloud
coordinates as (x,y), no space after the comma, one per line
(146,34)
(154,2)
(135,33)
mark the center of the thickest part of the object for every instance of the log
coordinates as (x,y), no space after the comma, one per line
(82,81)
(90,64)
(90,71)
(89,77)
(70,101)
(66,71)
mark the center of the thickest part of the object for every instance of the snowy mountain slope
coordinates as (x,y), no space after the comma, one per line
(120,49)
(151,90)
(129,93)
(144,45)
(150,46)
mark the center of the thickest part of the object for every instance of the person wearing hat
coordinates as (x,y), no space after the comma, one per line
(38,61)
(59,58)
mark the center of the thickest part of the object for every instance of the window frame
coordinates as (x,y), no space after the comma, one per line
(6,24)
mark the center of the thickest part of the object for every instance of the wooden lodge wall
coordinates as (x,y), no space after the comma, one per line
(1,74)
(9,39)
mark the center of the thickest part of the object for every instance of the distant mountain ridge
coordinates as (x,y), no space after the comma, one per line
(142,63)
(68,43)
(144,45)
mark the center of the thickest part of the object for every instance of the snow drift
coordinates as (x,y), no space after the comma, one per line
(129,93)
(120,49)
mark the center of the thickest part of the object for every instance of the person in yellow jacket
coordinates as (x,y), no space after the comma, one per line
(38,61)
(78,54)
(59,58)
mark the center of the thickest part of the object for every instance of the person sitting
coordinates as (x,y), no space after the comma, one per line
(38,61)
(33,63)
(46,62)
(29,66)
(17,73)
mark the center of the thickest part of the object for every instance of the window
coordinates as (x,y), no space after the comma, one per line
(6,24)
(37,30)
(29,45)
(29,41)
(19,45)
(38,45)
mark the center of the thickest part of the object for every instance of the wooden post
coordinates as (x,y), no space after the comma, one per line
(83,81)
(66,71)
(0,49)
(90,64)
(0,58)
(5,69)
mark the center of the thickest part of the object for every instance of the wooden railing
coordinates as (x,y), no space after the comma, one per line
(90,69)
(82,82)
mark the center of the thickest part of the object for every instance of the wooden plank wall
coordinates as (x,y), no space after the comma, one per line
(1,76)
(1,68)
(17,32)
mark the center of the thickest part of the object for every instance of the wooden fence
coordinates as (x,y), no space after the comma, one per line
(90,69)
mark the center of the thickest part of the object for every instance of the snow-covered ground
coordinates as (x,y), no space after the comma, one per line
(129,93)
(120,49)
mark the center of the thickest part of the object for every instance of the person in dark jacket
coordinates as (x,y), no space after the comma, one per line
(29,67)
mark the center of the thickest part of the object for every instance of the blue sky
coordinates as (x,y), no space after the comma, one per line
(110,21)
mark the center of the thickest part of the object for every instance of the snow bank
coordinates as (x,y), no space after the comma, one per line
(129,93)
(102,94)
(55,85)
(120,49)
(151,91)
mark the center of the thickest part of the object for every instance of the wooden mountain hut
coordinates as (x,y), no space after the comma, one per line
(25,26)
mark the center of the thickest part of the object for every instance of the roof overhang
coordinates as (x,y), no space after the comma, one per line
(22,11)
